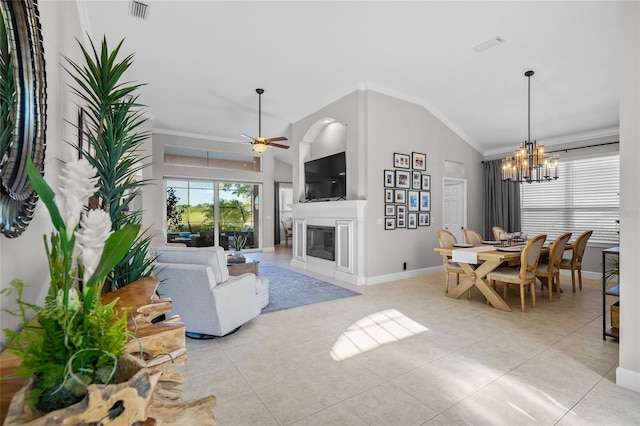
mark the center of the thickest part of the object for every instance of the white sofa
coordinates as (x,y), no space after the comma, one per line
(208,300)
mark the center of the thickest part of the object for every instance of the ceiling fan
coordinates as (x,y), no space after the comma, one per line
(260,144)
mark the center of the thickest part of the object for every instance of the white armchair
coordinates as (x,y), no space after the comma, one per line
(208,300)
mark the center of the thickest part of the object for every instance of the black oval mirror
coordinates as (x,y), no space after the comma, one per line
(22,112)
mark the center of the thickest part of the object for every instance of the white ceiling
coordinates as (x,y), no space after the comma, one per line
(203,60)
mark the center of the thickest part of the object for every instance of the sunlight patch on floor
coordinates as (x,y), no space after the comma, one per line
(373,331)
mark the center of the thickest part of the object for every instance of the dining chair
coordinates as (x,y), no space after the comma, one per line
(447,239)
(497,231)
(550,269)
(288,233)
(472,236)
(575,263)
(525,276)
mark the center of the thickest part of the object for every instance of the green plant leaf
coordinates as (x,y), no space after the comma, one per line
(47,195)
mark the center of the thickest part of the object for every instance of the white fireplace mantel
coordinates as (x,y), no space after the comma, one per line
(348,218)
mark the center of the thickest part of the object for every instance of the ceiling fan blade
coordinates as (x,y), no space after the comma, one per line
(279,138)
(247,136)
(277,145)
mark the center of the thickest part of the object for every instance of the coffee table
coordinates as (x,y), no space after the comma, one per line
(251,265)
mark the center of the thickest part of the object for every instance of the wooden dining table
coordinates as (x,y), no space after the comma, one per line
(488,260)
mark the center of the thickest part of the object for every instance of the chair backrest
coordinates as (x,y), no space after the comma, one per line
(213,257)
(557,249)
(287,232)
(579,246)
(531,254)
(497,231)
(472,236)
(446,238)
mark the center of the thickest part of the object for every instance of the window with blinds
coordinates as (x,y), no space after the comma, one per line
(585,196)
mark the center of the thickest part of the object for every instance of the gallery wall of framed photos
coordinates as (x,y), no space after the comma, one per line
(407,192)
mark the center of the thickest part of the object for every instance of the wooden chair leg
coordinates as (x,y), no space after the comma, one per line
(573,280)
(533,293)
(558,284)
(446,282)
(522,297)
(550,281)
(580,277)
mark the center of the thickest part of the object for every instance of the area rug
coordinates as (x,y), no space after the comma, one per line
(288,289)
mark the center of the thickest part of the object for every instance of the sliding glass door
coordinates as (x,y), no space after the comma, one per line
(208,213)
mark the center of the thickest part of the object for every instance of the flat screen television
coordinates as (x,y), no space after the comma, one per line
(326,178)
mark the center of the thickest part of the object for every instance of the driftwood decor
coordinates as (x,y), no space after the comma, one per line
(123,403)
(150,390)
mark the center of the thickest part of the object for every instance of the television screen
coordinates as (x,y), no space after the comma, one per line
(326,177)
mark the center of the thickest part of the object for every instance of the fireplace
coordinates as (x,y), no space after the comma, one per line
(321,242)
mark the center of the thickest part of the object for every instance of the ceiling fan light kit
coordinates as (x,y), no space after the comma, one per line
(260,144)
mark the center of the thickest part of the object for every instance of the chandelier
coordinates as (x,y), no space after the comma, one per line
(530,163)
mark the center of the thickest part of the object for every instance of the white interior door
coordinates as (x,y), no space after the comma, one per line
(455,207)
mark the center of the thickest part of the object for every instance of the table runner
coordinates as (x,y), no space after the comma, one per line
(469,255)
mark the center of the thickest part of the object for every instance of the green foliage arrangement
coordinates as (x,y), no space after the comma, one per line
(75,340)
(115,146)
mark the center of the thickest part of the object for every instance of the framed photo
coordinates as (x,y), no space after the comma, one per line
(389,178)
(388,196)
(424,219)
(401,217)
(416,180)
(413,200)
(400,196)
(419,161)
(426,182)
(389,223)
(425,201)
(402,161)
(389,209)
(412,220)
(403,179)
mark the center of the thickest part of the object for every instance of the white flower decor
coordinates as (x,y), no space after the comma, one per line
(95,228)
(78,340)
(77,182)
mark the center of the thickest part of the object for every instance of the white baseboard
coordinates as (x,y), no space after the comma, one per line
(628,379)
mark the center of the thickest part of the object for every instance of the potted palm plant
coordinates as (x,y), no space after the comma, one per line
(112,120)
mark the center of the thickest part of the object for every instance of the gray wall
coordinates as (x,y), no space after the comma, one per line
(377,126)
(155,215)
(25,257)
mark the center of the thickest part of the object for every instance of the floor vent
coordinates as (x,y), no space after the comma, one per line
(139,9)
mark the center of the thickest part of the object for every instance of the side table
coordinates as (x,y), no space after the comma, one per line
(251,265)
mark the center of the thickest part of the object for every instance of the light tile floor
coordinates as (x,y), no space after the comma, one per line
(428,360)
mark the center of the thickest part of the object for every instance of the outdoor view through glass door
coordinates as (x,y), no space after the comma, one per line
(201,213)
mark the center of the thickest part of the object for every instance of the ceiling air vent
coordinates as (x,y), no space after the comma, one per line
(139,9)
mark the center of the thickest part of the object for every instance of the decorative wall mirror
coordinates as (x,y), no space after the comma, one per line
(22,111)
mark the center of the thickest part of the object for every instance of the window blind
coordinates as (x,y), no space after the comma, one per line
(585,196)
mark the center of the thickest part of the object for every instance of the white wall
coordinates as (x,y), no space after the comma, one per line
(24,257)
(156,216)
(282,172)
(628,372)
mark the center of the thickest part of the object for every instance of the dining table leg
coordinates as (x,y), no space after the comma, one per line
(476,276)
